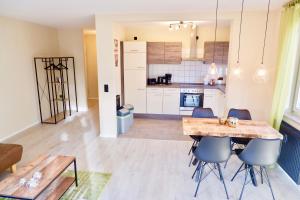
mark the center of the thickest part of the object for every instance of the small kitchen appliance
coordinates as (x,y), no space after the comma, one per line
(168,78)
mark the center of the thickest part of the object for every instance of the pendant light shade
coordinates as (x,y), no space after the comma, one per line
(261,73)
(213,68)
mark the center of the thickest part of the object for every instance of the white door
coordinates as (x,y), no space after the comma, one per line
(154,100)
(171,101)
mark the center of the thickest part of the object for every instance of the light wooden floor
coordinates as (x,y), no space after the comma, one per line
(141,169)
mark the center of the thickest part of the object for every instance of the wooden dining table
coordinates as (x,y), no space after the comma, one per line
(245,128)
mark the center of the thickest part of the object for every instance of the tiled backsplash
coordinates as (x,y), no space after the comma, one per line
(186,72)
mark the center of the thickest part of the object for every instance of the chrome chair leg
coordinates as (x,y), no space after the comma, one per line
(269,183)
(246,176)
(222,179)
(200,177)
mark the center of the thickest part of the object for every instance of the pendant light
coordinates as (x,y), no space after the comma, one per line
(261,73)
(237,68)
(213,67)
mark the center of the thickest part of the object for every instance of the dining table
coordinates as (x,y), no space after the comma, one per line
(244,129)
(250,129)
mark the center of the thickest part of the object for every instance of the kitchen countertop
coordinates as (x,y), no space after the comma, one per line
(222,87)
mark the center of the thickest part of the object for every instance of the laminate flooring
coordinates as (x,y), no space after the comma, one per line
(142,169)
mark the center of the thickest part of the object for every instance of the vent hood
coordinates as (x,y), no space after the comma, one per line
(192,54)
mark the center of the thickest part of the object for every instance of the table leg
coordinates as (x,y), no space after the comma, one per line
(75,172)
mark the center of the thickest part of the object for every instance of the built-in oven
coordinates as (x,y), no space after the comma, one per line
(191,98)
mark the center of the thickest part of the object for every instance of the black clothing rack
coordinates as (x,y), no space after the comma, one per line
(53,87)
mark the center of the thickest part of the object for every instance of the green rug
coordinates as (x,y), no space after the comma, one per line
(90,186)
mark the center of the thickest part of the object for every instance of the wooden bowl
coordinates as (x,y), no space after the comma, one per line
(222,121)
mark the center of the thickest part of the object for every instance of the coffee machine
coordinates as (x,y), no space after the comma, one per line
(168,78)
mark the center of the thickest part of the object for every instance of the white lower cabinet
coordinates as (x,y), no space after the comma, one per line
(163,101)
(171,101)
(155,100)
(214,99)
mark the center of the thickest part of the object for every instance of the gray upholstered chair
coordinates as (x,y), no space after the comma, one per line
(262,153)
(211,150)
(199,113)
(242,114)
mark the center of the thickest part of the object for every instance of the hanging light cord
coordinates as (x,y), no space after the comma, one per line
(216,29)
(263,55)
(241,21)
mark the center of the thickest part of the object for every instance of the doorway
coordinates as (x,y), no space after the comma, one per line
(91,68)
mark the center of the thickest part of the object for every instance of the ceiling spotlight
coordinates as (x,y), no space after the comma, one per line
(193,26)
(185,25)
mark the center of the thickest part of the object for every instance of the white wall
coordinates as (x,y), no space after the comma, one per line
(71,44)
(91,65)
(20,42)
(245,92)
(107,31)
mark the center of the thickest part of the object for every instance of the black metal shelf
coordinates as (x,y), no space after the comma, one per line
(56,72)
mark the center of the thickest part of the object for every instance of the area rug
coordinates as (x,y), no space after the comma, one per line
(90,185)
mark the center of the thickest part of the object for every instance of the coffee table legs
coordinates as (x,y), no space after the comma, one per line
(75,172)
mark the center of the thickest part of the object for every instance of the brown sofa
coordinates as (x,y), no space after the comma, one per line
(10,154)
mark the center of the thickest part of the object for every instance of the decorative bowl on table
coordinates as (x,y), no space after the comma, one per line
(222,121)
(232,122)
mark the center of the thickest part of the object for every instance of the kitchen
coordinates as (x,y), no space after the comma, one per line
(168,72)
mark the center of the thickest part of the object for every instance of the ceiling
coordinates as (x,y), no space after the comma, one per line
(79,13)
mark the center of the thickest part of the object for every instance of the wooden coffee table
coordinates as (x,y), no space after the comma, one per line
(51,186)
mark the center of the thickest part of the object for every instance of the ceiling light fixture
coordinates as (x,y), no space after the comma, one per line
(179,25)
(261,74)
(213,67)
(237,69)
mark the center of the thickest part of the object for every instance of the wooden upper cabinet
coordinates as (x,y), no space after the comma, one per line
(155,52)
(221,52)
(173,52)
(164,52)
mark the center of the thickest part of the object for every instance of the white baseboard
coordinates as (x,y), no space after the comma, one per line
(19,131)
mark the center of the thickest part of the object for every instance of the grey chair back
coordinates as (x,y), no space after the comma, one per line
(213,149)
(242,114)
(203,113)
(261,152)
